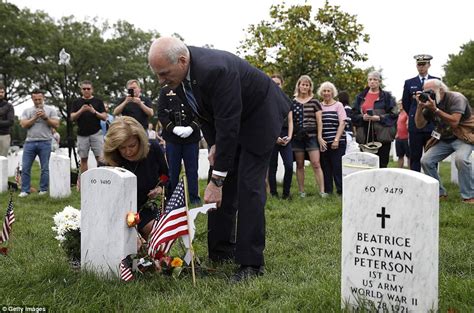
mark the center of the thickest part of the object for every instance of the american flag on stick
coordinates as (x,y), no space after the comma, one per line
(7,222)
(170,225)
(126,269)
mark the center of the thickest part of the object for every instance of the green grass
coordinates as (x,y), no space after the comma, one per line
(302,263)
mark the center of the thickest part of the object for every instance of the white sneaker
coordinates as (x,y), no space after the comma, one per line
(42,193)
(23,194)
(324,194)
(302,195)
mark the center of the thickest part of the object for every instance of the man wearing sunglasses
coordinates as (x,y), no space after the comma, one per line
(417,138)
(88,111)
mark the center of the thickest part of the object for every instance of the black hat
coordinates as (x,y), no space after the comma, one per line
(422,58)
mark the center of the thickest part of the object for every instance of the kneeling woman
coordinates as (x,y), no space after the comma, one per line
(126,145)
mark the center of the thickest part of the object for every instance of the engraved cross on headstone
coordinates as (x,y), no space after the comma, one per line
(383,216)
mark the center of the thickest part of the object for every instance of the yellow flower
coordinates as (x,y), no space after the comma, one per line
(177,262)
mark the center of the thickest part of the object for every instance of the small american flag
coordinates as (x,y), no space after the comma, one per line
(7,222)
(170,225)
(126,269)
(18,176)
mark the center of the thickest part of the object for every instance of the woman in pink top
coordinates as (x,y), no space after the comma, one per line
(401,139)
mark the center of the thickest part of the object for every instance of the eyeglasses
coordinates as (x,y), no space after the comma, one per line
(86,88)
(421,64)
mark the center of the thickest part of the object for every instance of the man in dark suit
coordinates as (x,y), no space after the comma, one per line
(242,112)
(417,137)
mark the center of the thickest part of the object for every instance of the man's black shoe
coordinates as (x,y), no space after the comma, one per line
(245,272)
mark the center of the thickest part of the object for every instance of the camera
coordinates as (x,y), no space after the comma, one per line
(131,92)
(426,95)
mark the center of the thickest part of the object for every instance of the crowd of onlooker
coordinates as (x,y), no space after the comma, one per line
(322,125)
(321,128)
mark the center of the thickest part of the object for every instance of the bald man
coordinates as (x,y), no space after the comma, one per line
(242,112)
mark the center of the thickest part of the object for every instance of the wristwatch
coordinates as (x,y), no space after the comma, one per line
(218,181)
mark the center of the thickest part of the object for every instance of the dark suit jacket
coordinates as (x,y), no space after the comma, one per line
(239,104)
(411,86)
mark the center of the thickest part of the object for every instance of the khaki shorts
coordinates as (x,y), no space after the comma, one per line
(93,142)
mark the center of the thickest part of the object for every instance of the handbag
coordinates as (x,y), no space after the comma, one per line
(385,133)
(373,146)
(465,130)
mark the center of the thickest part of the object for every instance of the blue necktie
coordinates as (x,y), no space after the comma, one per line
(422,82)
(190,96)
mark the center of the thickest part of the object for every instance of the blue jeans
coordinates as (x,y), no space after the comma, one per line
(189,153)
(462,158)
(31,149)
(287,156)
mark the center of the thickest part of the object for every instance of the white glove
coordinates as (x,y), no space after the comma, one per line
(188,130)
(178,130)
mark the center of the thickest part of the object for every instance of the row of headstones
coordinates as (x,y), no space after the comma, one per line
(59,175)
(390,218)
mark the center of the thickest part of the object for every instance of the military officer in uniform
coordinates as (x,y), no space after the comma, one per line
(182,135)
(417,137)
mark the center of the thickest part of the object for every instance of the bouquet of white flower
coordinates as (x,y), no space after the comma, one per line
(68,228)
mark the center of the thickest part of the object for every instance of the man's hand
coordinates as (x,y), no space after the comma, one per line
(41,114)
(430,104)
(212,155)
(213,194)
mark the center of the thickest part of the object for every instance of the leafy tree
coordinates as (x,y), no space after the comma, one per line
(295,42)
(107,55)
(460,71)
(21,32)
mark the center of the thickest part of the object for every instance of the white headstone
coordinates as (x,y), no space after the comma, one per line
(203,164)
(107,195)
(390,241)
(59,176)
(14,160)
(359,161)
(3,174)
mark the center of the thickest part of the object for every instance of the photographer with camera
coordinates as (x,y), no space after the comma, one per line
(87,111)
(135,104)
(417,138)
(181,131)
(447,110)
(307,118)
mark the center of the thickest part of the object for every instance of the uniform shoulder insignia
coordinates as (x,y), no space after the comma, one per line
(171,93)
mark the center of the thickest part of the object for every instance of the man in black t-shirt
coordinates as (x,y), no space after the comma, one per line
(135,104)
(87,111)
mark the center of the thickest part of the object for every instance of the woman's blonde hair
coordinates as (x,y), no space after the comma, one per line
(297,87)
(120,131)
